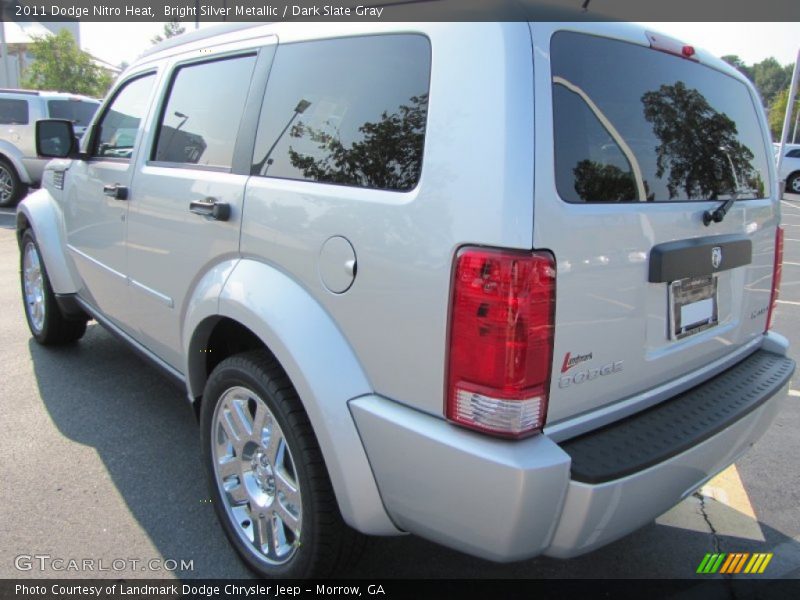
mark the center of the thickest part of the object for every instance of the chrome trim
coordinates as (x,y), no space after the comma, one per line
(574,426)
(139,348)
(96,262)
(158,295)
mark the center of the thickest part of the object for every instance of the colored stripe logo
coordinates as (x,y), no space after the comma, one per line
(734,562)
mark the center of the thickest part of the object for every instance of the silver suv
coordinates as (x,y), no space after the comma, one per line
(19,111)
(506,286)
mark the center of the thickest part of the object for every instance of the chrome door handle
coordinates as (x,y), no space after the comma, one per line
(210,208)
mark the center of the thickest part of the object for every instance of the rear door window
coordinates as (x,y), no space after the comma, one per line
(200,121)
(13,112)
(347,111)
(634,124)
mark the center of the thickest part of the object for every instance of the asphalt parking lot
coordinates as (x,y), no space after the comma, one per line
(100,460)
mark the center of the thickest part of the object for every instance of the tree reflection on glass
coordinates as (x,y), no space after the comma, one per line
(699,147)
(388,155)
(608,183)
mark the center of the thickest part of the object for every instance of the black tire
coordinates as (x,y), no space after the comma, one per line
(793,183)
(47,324)
(11,187)
(326,544)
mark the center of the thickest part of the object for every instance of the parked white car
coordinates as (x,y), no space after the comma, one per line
(506,286)
(790,167)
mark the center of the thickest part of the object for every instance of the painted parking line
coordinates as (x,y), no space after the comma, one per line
(790,302)
(727,488)
(794,393)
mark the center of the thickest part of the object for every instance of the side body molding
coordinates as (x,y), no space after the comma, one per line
(316,356)
(43,214)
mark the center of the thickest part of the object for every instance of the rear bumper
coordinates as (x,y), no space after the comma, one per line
(506,501)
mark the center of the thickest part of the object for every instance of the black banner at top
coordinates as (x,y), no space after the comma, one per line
(400,10)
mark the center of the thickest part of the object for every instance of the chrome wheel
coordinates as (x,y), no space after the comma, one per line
(6,185)
(794,184)
(256,476)
(33,284)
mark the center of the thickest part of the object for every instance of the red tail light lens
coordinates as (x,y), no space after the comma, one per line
(501,340)
(776,274)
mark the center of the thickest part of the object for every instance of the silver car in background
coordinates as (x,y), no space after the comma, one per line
(20,168)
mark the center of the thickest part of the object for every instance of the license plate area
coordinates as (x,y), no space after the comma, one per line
(692,306)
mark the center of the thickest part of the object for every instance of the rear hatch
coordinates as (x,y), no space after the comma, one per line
(642,143)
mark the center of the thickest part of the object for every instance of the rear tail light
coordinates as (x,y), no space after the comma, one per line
(777,271)
(501,341)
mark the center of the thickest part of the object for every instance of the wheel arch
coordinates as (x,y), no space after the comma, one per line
(260,304)
(38,211)
(13,156)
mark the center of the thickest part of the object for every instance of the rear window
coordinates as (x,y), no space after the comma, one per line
(77,111)
(635,124)
(348,111)
(13,112)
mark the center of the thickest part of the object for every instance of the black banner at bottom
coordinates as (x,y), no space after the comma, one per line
(390,589)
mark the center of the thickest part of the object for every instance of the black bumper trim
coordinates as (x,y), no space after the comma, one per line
(676,425)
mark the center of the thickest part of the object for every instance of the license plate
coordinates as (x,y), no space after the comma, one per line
(693,306)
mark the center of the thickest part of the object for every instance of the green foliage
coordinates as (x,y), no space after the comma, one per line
(776,115)
(61,66)
(772,82)
(171,29)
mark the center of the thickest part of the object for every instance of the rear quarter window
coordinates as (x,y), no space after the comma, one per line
(13,112)
(346,111)
(635,124)
(78,111)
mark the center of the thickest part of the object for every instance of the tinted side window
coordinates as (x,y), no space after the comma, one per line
(793,153)
(13,112)
(635,124)
(349,111)
(116,132)
(201,118)
(77,111)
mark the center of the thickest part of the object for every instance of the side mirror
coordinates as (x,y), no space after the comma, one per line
(55,138)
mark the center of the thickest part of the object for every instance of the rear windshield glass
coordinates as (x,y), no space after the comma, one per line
(635,124)
(77,111)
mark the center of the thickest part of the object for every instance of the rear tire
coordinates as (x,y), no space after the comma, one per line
(11,186)
(267,477)
(45,320)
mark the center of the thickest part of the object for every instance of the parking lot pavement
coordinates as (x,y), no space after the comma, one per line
(101,461)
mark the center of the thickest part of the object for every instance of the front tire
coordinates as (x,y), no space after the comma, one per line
(45,319)
(267,478)
(11,186)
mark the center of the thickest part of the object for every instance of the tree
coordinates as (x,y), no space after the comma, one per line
(737,63)
(770,78)
(171,29)
(699,148)
(388,156)
(61,66)
(776,115)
